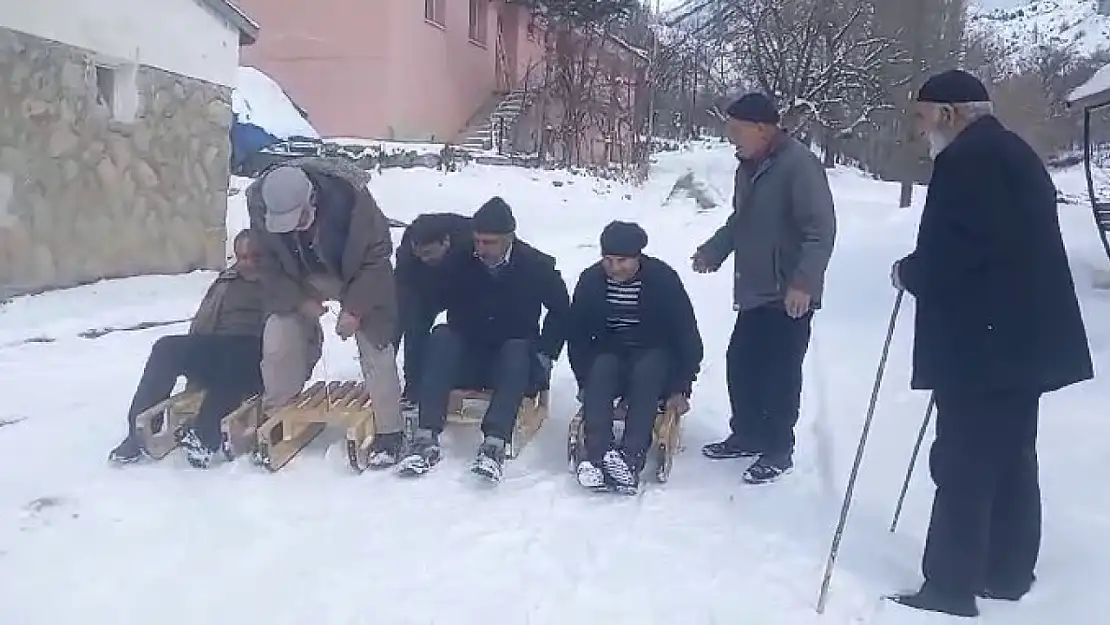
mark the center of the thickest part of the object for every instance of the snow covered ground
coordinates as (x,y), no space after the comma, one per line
(81,542)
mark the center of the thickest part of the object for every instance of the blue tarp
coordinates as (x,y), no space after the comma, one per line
(246,139)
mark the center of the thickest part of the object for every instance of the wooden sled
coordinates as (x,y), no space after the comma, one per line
(158,427)
(467,407)
(295,425)
(240,428)
(664,438)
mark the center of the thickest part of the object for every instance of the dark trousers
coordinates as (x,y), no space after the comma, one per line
(639,377)
(415,325)
(226,367)
(510,372)
(764,373)
(985,529)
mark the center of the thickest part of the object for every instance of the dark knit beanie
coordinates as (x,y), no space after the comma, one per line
(953,87)
(494,217)
(754,107)
(623,238)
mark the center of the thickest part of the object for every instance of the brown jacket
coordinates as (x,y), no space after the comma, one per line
(233,305)
(365,268)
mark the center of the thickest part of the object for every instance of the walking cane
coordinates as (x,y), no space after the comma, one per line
(835,549)
(913,461)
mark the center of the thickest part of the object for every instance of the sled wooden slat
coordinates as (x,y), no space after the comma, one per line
(157,427)
(239,428)
(292,427)
(530,416)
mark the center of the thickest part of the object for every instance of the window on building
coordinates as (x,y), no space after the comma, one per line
(117,91)
(435,11)
(479,20)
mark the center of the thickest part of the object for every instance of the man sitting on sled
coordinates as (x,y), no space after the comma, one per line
(492,339)
(220,354)
(432,242)
(632,335)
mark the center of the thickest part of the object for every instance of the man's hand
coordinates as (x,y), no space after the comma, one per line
(896,276)
(346,325)
(312,309)
(797,302)
(677,403)
(699,264)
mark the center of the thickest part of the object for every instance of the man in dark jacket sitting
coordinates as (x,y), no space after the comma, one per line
(432,242)
(220,354)
(632,334)
(492,339)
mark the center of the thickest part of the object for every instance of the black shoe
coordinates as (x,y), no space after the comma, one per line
(930,600)
(731,447)
(197,452)
(386,450)
(768,469)
(1005,592)
(424,455)
(490,460)
(621,472)
(126,452)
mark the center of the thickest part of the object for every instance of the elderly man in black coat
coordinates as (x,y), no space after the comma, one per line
(997,325)
(632,334)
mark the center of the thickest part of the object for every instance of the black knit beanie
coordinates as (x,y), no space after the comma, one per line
(754,107)
(494,217)
(953,87)
(623,238)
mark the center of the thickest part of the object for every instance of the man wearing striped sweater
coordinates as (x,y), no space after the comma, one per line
(632,335)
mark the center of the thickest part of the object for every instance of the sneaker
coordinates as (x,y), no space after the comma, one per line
(490,461)
(126,452)
(768,469)
(197,453)
(620,471)
(731,447)
(386,450)
(424,455)
(590,476)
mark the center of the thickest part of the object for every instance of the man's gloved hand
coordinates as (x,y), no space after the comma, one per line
(896,276)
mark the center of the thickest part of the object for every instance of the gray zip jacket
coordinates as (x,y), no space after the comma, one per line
(782,228)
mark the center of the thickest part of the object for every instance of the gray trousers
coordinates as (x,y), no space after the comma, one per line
(292,344)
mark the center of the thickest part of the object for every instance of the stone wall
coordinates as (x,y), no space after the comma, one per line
(84,196)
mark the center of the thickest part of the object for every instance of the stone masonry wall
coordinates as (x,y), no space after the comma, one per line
(83,196)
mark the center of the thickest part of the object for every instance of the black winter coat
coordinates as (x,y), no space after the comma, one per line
(666,320)
(996,304)
(486,310)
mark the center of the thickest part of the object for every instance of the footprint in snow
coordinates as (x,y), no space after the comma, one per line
(44,511)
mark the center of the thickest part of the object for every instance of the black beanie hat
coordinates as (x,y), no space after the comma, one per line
(754,107)
(623,238)
(953,87)
(494,217)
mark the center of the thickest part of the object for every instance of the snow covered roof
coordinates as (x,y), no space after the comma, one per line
(248,28)
(1094,92)
(259,100)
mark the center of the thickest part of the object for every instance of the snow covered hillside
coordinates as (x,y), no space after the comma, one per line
(1022,26)
(81,542)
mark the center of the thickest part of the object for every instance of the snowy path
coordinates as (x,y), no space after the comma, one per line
(82,542)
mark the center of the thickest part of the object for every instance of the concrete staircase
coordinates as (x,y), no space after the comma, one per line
(481,133)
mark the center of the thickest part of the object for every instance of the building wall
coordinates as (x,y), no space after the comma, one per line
(91,191)
(331,57)
(178,36)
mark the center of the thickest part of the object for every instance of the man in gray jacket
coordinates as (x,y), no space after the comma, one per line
(781,229)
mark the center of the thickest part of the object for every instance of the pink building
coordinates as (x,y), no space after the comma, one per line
(395,69)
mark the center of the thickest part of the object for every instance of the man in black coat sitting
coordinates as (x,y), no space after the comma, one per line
(632,334)
(432,242)
(997,325)
(492,339)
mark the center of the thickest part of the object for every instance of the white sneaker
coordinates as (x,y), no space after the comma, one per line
(590,476)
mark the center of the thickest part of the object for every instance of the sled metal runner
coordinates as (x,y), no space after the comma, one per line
(665,438)
(468,406)
(1092,104)
(158,427)
(292,427)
